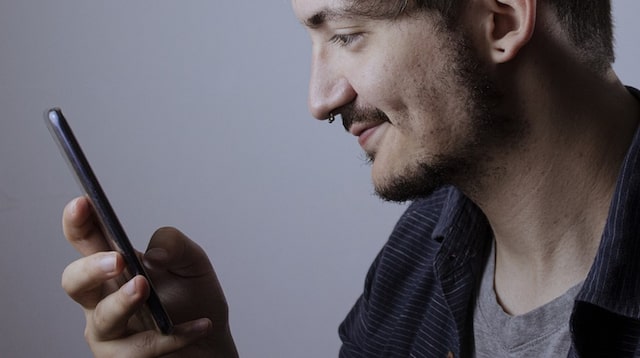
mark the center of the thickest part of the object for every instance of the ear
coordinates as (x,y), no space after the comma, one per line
(509,27)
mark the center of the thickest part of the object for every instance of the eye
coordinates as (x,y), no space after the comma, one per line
(344,40)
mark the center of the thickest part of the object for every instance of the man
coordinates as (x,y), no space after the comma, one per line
(505,123)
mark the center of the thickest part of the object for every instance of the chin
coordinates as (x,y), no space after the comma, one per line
(411,183)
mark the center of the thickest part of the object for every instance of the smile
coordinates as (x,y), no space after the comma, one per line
(365,131)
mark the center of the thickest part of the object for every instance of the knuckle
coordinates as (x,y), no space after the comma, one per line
(69,280)
(107,313)
(147,342)
(79,277)
(173,344)
(99,320)
(65,281)
(167,345)
(146,345)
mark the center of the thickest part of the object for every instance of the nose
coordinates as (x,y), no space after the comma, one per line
(329,88)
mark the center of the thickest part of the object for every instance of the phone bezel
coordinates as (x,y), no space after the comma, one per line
(109,223)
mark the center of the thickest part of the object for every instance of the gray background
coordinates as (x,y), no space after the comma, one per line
(193,114)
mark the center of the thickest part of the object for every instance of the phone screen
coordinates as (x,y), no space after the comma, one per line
(153,314)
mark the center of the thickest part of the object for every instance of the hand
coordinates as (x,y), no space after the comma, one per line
(182,275)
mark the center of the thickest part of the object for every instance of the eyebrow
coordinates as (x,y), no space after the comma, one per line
(321,17)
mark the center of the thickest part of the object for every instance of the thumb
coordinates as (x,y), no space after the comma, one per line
(171,250)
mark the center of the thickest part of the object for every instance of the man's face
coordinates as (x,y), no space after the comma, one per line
(412,91)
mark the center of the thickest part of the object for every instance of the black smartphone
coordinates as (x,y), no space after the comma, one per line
(153,315)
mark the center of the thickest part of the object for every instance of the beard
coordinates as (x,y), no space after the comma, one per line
(461,166)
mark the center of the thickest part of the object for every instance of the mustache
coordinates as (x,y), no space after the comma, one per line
(351,115)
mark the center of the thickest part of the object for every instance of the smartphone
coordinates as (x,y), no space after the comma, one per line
(153,315)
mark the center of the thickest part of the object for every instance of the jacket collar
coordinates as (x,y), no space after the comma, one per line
(613,282)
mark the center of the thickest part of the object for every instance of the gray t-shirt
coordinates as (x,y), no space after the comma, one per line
(543,332)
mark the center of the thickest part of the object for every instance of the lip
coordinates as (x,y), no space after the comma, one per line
(364,131)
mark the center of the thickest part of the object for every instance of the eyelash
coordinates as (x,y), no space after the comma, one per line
(344,40)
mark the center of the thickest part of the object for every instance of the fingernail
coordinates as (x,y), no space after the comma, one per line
(130,287)
(108,263)
(73,209)
(200,326)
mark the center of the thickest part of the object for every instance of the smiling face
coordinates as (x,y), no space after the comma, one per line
(413,92)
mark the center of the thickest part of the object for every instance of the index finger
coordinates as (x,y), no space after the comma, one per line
(81,227)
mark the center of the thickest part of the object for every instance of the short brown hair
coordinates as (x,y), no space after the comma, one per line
(590,27)
(588,22)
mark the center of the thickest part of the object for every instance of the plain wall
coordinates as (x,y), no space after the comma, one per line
(194,115)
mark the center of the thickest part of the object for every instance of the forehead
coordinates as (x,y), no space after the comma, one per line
(314,12)
(305,8)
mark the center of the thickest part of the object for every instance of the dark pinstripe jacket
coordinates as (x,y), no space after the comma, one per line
(419,294)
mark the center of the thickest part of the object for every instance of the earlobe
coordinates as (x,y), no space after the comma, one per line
(511,26)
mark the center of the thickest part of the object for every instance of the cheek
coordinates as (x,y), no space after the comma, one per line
(430,130)
(383,83)
(403,143)
(436,112)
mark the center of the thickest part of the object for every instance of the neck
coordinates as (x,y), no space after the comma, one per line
(549,206)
